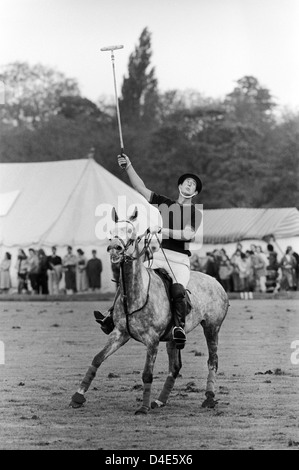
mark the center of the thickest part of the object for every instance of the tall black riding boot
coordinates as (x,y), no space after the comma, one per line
(179,307)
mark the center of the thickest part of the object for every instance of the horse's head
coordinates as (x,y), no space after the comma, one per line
(123,236)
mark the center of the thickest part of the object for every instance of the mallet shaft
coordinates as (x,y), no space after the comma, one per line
(117,107)
(112,49)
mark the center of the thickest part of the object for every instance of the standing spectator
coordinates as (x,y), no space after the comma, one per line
(33,265)
(251,277)
(5,280)
(296,256)
(81,276)
(240,247)
(55,271)
(69,263)
(259,269)
(288,268)
(195,263)
(42,278)
(211,266)
(22,269)
(259,251)
(272,269)
(235,262)
(244,272)
(94,271)
(236,282)
(225,270)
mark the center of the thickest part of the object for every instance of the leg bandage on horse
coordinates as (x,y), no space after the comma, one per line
(146,395)
(90,375)
(211,380)
(167,389)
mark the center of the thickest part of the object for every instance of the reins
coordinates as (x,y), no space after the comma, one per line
(125,297)
(129,258)
(126,259)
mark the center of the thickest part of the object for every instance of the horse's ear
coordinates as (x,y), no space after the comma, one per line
(134,215)
(114,215)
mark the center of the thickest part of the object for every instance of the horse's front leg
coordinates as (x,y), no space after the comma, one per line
(175,364)
(147,377)
(115,341)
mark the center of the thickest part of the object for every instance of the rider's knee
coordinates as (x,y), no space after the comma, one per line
(178,291)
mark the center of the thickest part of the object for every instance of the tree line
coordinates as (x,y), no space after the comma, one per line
(245,154)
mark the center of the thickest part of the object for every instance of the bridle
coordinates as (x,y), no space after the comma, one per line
(133,240)
(124,258)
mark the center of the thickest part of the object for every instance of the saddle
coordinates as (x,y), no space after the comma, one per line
(167,281)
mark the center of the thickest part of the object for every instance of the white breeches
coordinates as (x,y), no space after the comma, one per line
(178,267)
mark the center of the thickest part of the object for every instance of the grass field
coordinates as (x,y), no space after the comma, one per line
(49,346)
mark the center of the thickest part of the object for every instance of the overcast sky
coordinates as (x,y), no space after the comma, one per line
(205,45)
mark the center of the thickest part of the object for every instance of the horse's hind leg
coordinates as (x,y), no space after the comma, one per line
(116,340)
(175,364)
(211,334)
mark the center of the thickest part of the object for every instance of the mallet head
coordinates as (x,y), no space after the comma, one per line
(111,48)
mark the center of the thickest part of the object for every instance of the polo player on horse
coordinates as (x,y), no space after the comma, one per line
(180,220)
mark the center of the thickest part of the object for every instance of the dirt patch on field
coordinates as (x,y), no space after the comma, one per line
(49,346)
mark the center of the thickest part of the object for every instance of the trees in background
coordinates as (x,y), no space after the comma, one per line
(282,189)
(33,93)
(245,151)
(139,102)
(245,155)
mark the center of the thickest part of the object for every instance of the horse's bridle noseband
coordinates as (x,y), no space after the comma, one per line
(134,239)
(125,245)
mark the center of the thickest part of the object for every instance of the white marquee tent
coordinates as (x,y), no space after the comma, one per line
(223,228)
(64,203)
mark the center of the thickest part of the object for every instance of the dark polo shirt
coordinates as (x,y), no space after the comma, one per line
(176,216)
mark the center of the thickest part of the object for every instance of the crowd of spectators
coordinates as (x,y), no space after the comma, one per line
(41,273)
(245,271)
(252,270)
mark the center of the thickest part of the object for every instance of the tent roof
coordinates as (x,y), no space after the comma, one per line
(55,203)
(231,225)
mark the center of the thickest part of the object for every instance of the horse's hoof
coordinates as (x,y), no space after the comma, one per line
(143,410)
(78,400)
(157,404)
(209,403)
(75,405)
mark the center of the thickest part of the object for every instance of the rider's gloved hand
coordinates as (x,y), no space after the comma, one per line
(123,161)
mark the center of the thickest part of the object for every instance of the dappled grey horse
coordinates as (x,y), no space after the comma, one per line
(142,311)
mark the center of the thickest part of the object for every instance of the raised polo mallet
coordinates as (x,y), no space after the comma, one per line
(112,49)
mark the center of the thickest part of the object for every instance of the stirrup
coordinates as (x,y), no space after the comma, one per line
(99,316)
(179,337)
(106,323)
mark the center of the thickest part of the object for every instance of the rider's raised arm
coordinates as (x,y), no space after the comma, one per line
(135,179)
